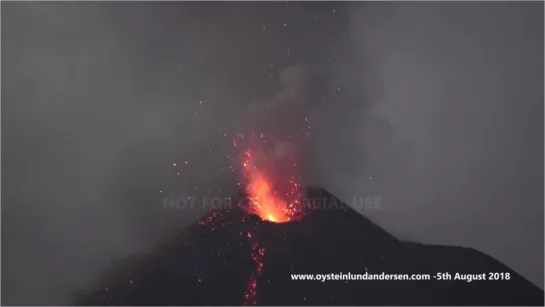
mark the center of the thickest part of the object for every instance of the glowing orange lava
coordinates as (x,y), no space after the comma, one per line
(250,297)
(272,186)
(273,189)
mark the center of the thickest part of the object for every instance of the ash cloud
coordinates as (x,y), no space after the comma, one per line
(100,99)
(461,86)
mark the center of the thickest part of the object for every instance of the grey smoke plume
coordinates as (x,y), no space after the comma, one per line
(436,108)
(461,85)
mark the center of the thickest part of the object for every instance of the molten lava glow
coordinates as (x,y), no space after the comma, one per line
(250,297)
(272,188)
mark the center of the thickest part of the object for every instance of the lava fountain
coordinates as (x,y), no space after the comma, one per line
(272,179)
(273,188)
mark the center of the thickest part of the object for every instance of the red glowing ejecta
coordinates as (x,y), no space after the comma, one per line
(272,181)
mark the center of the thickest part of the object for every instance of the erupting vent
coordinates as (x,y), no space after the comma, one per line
(272,180)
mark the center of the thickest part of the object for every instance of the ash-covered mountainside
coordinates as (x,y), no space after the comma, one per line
(231,258)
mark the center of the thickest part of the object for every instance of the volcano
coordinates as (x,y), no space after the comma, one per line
(231,257)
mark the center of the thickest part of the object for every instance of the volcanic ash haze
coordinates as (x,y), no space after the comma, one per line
(99,99)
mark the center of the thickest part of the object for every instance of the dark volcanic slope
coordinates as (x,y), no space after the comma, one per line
(211,264)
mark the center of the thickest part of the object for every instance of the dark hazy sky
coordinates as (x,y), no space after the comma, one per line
(435,107)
